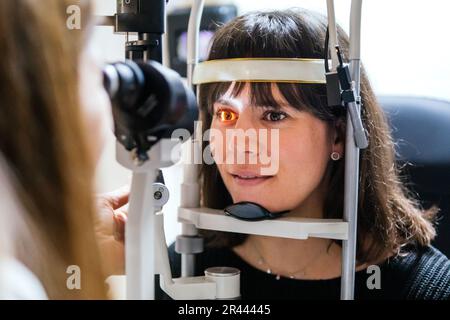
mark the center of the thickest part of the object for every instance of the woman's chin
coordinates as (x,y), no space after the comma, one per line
(258,200)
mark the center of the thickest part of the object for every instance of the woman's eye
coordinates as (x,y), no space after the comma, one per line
(226,115)
(274,116)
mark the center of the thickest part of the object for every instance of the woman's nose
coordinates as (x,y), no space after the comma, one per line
(242,140)
(245,120)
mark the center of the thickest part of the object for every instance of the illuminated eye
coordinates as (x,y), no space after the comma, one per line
(226,115)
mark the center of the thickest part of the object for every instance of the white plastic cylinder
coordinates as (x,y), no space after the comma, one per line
(227,281)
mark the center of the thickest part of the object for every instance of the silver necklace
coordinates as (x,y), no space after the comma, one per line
(294,275)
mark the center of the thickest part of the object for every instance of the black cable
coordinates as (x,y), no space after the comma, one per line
(338,52)
(327,39)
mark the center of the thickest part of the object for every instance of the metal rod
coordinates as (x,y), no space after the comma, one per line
(194,38)
(187,265)
(190,189)
(139,245)
(333,34)
(352,163)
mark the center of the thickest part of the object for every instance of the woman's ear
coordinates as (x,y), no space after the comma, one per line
(339,129)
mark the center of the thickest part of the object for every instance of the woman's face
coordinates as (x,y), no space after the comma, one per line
(304,147)
(95,101)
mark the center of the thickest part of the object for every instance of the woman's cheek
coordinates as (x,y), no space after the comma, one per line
(216,142)
(96,109)
(302,156)
(102,116)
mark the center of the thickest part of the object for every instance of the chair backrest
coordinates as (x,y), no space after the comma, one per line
(421,130)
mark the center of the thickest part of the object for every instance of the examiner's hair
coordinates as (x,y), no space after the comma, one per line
(43,140)
(389,218)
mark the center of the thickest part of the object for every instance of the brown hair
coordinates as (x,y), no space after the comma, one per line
(42,138)
(389,218)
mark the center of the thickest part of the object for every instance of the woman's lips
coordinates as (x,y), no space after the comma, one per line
(248,179)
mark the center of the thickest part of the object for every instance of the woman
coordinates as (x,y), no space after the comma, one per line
(16,281)
(54,113)
(394,232)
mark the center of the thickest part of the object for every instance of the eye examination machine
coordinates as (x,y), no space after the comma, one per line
(156,126)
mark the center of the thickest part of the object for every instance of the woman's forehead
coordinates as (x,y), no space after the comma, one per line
(244,96)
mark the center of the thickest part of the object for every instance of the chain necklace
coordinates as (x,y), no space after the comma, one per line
(294,275)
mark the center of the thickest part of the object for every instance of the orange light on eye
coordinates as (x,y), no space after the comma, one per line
(227,115)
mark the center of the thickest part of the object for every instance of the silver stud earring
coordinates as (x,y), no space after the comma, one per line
(335,156)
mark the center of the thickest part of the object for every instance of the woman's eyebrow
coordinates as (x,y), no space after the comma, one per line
(227,102)
(276,106)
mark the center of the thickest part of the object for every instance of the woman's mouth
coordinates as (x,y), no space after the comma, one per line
(248,179)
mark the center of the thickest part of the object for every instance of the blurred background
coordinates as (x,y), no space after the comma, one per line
(404,49)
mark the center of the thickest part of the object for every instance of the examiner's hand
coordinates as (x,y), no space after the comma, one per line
(110,229)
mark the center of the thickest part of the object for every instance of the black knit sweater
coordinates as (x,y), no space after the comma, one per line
(423,274)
